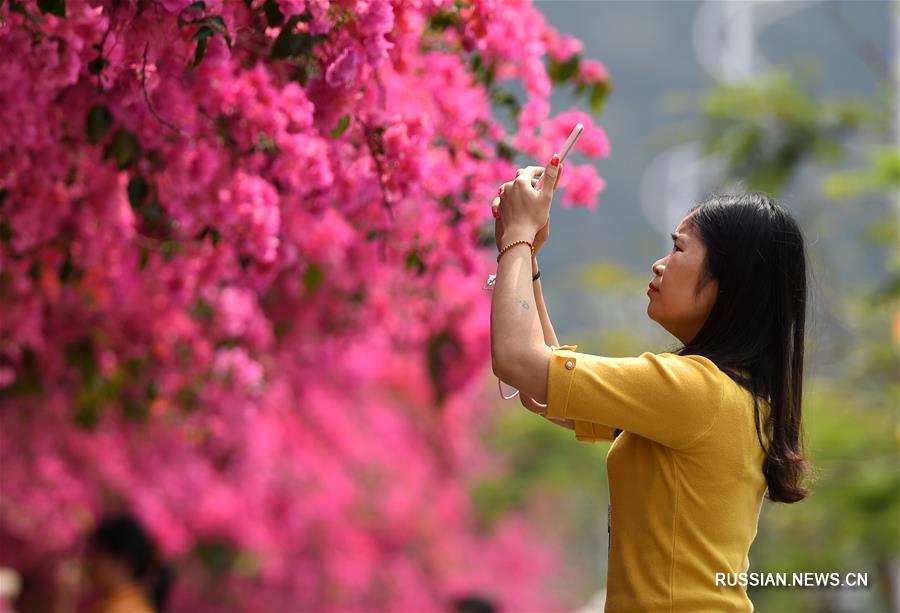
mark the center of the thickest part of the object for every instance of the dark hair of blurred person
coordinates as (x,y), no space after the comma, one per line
(124,567)
(473,604)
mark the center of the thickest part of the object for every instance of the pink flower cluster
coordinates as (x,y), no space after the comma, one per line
(243,299)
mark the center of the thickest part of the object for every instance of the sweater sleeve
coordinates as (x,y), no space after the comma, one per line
(668,398)
(585,431)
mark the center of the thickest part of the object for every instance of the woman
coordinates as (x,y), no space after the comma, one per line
(701,434)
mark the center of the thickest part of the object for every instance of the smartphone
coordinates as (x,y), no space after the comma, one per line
(564,153)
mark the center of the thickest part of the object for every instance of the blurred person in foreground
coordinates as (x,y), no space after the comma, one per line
(123,571)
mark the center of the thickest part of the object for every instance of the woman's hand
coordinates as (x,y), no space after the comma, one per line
(532,405)
(543,232)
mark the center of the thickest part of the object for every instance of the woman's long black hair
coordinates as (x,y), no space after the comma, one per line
(123,537)
(756,252)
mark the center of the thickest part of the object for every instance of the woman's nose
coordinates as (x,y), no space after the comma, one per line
(657,268)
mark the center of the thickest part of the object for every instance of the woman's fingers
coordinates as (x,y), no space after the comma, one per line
(495,207)
(523,175)
(535,170)
(528,172)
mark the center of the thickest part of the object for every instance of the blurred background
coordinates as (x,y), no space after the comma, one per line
(797,99)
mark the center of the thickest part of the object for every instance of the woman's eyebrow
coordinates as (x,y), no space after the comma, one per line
(676,236)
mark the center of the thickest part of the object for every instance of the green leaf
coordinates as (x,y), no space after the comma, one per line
(562,72)
(301,75)
(202,33)
(598,96)
(283,45)
(199,5)
(18,7)
(266,144)
(54,7)
(273,14)
(152,214)
(210,231)
(98,122)
(341,126)
(6,232)
(886,169)
(87,413)
(67,270)
(414,261)
(169,248)
(82,355)
(27,381)
(888,290)
(123,148)
(217,556)
(202,311)
(442,20)
(312,278)
(201,49)
(217,23)
(505,152)
(138,188)
(289,44)
(188,397)
(96,65)
(504,98)
(483,74)
(202,37)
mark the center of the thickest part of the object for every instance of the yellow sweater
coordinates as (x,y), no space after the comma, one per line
(686,479)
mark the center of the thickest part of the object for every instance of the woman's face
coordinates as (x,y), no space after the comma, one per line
(673,304)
